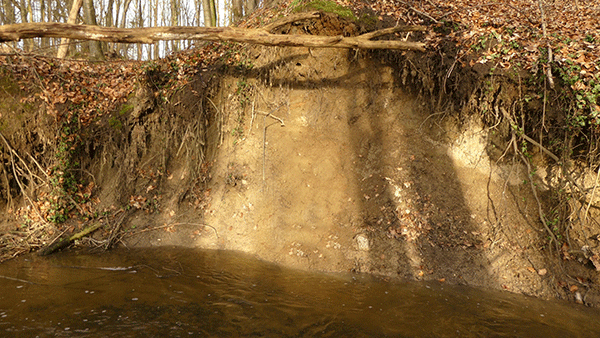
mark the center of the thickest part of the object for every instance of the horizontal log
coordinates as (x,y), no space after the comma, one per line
(259,36)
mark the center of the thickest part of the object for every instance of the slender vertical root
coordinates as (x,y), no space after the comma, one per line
(543,219)
(265,126)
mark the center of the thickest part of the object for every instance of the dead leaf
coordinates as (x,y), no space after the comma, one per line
(596,261)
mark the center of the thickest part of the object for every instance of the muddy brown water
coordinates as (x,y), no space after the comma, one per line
(182,292)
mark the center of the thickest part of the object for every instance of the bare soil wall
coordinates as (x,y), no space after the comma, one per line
(333,160)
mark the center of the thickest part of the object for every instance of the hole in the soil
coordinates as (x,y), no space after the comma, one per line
(298,64)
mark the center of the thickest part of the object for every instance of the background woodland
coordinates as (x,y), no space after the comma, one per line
(120,14)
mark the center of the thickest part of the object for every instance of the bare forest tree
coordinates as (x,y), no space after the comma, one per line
(241,8)
(119,14)
(62,50)
(89,17)
(210,13)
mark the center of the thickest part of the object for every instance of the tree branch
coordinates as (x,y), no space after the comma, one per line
(63,243)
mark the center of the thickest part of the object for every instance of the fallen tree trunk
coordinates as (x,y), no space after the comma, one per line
(65,242)
(260,36)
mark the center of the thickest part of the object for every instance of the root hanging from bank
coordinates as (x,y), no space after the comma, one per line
(19,172)
(270,114)
(31,235)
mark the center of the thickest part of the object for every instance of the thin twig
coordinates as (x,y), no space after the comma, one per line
(150,229)
(31,174)
(187,129)
(221,120)
(39,166)
(549,68)
(527,138)
(392,30)
(431,115)
(273,116)
(541,135)
(265,126)
(81,211)
(114,233)
(264,148)
(419,12)
(449,72)
(253,112)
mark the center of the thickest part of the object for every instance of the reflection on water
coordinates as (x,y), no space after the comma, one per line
(183,292)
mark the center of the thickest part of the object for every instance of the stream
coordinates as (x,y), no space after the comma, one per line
(176,292)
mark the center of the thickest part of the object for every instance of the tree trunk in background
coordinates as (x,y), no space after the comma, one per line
(237,10)
(64,43)
(210,18)
(45,43)
(140,23)
(242,8)
(32,43)
(23,11)
(198,7)
(174,22)
(118,6)
(89,17)
(251,5)
(206,12)
(121,49)
(109,22)
(155,49)
(213,13)
(121,14)
(3,20)
(8,15)
(267,3)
